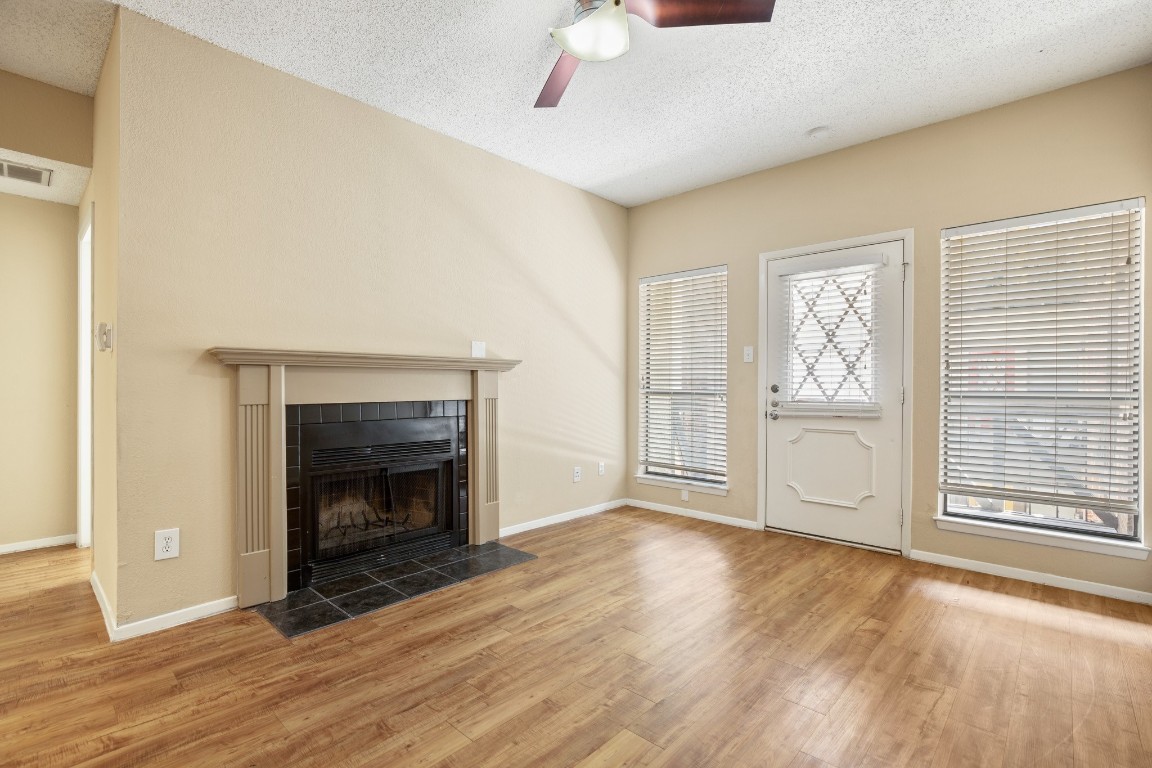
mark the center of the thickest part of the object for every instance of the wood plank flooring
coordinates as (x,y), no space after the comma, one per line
(635,639)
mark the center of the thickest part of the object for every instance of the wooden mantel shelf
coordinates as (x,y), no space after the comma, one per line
(238,356)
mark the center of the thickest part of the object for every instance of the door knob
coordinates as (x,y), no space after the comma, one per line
(774,415)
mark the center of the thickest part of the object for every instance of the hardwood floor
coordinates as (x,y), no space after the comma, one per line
(636,638)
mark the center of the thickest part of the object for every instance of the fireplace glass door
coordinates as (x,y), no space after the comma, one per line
(364,509)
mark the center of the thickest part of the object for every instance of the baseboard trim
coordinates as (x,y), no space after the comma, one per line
(175,618)
(105,609)
(156,623)
(24,546)
(685,512)
(1036,577)
(563,517)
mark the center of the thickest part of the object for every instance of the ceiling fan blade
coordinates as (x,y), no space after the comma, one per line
(696,13)
(558,80)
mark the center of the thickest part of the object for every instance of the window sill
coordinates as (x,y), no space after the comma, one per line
(684,485)
(1129,549)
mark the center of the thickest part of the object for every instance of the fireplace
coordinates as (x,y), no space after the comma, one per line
(269,382)
(370,484)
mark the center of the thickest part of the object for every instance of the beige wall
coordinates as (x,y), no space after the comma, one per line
(258,210)
(103,193)
(38,388)
(42,120)
(1085,144)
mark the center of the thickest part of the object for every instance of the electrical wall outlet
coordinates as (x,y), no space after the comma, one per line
(600,468)
(683,495)
(167,543)
(748,355)
(577,474)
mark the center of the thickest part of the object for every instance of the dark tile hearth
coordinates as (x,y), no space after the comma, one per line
(343,586)
(390,572)
(306,619)
(479,549)
(366,600)
(440,558)
(297,599)
(331,602)
(424,581)
(484,563)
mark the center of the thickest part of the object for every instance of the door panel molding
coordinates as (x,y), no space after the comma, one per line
(869,473)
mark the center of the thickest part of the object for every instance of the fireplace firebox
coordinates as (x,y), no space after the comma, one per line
(373,484)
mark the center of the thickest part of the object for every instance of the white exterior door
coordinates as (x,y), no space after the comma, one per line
(834,372)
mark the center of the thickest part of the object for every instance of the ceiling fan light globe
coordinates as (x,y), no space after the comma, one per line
(600,36)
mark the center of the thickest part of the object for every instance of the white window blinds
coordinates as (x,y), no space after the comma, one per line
(684,375)
(1040,387)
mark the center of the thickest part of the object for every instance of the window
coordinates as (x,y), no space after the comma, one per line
(1040,387)
(684,376)
(829,366)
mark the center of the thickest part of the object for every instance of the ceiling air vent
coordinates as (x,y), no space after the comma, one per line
(25,173)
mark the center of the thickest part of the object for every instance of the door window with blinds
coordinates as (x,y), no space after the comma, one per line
(1040,380)
(830,354)
(684,376)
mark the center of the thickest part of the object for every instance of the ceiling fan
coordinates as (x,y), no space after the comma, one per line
(600,30)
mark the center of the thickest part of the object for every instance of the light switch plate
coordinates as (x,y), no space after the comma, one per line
(479,349)
(104,336)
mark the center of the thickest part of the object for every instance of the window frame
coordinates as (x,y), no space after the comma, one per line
(811,407)
(642,475)
(1066,536)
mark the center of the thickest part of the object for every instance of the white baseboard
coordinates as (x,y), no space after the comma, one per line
(175,618)
(105,609)
(685,512)
(156,623)
(563,517)
(24,546)
(1036,577)
(566,516)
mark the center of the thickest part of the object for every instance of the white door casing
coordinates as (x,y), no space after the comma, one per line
(833,434)
(84,345)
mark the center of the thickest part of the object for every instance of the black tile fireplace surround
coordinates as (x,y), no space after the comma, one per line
(370,484)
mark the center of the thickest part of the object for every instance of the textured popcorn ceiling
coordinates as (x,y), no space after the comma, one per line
(685,107)
(59,42)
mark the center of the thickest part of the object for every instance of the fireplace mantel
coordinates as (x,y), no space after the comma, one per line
(241,356)
(261,375)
